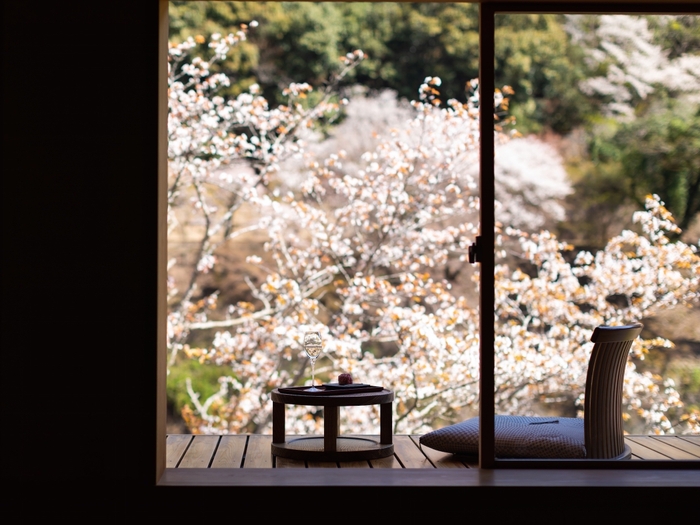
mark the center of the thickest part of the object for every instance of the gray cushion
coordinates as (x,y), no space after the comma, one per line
(515,437)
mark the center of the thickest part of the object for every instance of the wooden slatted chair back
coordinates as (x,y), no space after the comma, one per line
(604,436)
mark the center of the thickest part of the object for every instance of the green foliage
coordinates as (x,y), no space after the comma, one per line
(534,56)
(599,205)
(204,378)
(202,19)
(294,41)
(679,37)
(659,153)
(430,39)
(686,375)
(656,153)
(403,43)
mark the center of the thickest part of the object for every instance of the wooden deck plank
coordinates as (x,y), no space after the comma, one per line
(188,451)
(322,464)
(200,452)
(289,463)
(678,441)
(669,447)
(259,451)
(390,462)
(663,447)
(353,464)
(439,459)
(641,448)
(230,452)
(175,447)
(641,452)
(370,462)
(634,457)
(692,438)
(409,454)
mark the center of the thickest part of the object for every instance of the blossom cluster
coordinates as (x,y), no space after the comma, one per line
(372,254)
(633,67)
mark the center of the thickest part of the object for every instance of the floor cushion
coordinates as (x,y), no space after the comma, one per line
(515,437)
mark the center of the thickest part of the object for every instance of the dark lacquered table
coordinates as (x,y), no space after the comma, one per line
(331,446)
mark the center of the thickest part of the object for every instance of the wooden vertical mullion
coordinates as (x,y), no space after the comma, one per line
(161,239)
(486,244)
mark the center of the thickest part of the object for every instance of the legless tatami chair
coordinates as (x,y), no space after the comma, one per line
(598,435)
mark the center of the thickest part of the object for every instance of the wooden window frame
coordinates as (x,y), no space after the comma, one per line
(488,11)
(492,471)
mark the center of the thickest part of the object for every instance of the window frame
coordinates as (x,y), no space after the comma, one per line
(487,13)
(533,469)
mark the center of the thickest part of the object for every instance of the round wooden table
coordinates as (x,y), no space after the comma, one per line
(331,446)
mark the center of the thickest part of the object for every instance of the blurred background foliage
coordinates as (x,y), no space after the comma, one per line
(612,165)
(404,43)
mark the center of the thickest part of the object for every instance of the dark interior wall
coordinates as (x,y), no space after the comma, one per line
(79,161)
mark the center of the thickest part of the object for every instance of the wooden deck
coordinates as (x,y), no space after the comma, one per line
(254,451)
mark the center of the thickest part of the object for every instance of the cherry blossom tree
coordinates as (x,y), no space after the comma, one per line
(644,72)
(632,66)
(373,255)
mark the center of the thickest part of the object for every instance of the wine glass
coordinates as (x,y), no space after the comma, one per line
(313,346)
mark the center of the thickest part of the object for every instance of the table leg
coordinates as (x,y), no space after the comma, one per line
(386,424)
(331,428)
(278,423)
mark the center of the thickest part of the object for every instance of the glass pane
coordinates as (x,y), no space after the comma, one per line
(332,186)
(598,214)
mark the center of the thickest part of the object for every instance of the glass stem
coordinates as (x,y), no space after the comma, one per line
(313,372)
